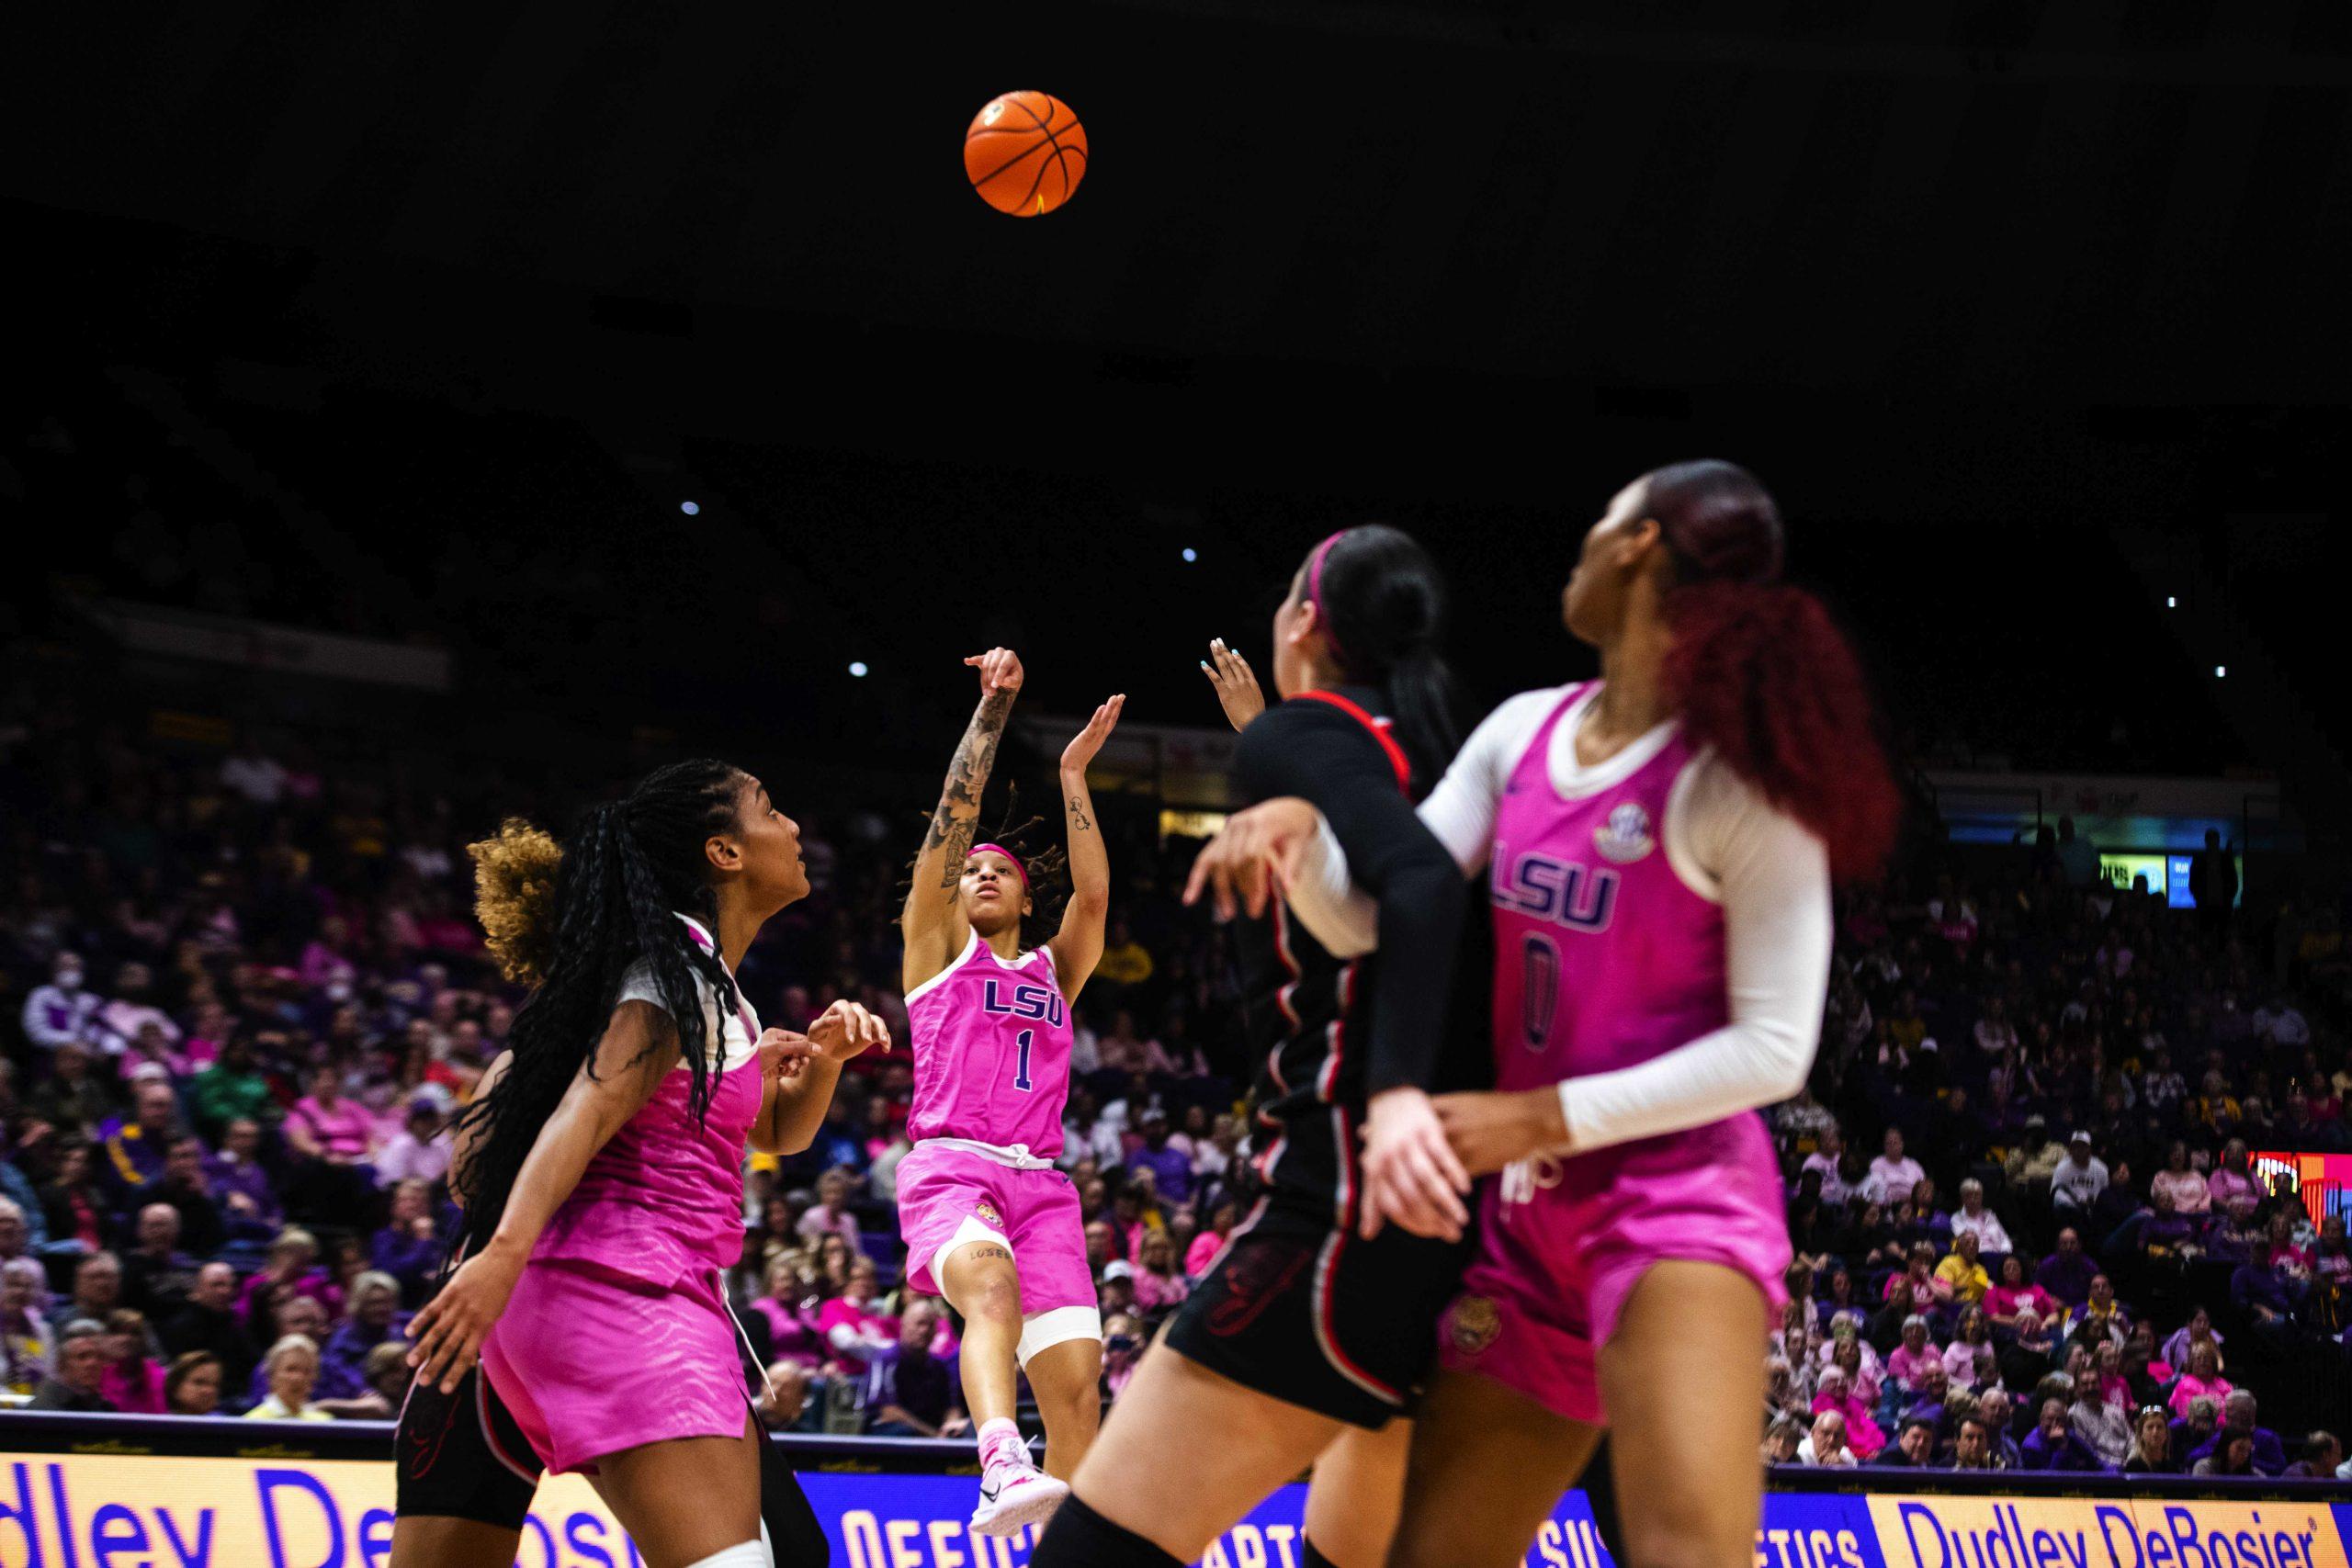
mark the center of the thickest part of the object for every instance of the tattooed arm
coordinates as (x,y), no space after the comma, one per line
(932,921)
(1079,944)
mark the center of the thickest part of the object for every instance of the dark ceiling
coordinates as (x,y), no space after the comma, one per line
(2038,304)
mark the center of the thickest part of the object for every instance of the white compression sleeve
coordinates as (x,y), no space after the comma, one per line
(1772,877)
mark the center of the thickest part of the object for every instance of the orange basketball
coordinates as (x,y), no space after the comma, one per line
(1025,153)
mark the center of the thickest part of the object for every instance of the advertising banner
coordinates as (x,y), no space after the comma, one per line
(86,1510)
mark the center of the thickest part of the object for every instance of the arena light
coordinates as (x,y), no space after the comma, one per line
(2220,671)
(857,668)
(2171,603)
(690,508)
(1191,554)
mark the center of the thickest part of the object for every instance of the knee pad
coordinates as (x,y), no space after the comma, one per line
(1080,1538)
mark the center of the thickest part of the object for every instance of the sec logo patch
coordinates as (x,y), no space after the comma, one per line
(1472,1324)
(1625,836)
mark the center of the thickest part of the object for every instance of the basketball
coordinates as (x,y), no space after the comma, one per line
(1025,153)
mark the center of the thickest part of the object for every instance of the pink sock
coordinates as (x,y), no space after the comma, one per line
(1001,1443)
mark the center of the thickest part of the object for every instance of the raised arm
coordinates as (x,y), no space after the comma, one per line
(639,1045)
(932,923)
(1078,946)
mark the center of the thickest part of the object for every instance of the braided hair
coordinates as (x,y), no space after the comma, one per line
(573,921)
(1046,862)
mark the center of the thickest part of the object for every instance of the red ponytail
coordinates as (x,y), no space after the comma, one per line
(1759,672)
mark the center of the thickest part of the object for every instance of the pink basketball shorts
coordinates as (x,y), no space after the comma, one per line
(1563,1243)
(950,1196)
(590,1362)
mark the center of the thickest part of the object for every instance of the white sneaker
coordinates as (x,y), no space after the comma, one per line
(1017,1496)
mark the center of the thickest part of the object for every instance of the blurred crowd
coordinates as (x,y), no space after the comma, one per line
(2031,1229)
(244,1000)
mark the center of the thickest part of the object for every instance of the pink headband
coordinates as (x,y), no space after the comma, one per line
(1018,869)
(1315,589)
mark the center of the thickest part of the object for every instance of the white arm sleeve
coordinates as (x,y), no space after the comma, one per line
(1459,813)
(1772,877)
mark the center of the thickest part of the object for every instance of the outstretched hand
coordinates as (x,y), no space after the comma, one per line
(1256,850)
(1234,682)
(845,1029)
(1088,740)
(1000,670)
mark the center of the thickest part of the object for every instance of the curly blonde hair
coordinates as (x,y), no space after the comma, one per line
(515,898)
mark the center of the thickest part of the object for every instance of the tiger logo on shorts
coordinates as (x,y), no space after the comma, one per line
(985,1212)
(1472,1324)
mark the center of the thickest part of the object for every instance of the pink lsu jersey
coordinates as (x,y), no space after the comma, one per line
(991,1045)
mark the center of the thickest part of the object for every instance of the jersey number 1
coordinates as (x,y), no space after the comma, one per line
(1539,991)
(1021,1070)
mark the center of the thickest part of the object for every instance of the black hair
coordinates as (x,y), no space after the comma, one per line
(1047,864)
(1382,601)
(576,920)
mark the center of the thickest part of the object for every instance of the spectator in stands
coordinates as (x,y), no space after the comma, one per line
(2321,1457)
(97,1289)
(1835,1392)
(1825,1443)
(410,1246)
(76,1384)
(291,1269)
(1123,1344)
(1934,1396)
(232,1089)
(2232,1184)
(192,1385)
(2204,1380)
(1126,963)
(27,1343)
(210,1324)
(291,1369)
(1159,1285)
(1975,1333)
(1911,1357)
(2151,1451)
(2068,1273)
(420,1150)
(375,1318)
(908,1392)
(1170,1169)
(2189,1193)
(2053,1444)
(783,1401)
(2101,1320)
(248,1199)
(2238,1421)
(1824,1162)
(1913,1449)
(2077,858)
(852,1325)
(1893,1173)
(156,1275)
(1916,1291)
(2080,1178)
(831,1215)
(19,1236)
(75,1099)
(2102,1425)
(1783,1439)
(186,1189)
(2199,1326)
(62,1012)
(1973,1218)
(1994,1414)
(1973,1446)
(2232,1454)
(132,1381)
(2213,882)
(1963,1271)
